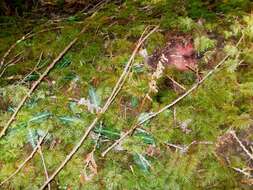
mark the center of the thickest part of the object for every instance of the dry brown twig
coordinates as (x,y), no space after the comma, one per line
(90,162)
(43,163)
(114,93)
(185,148)
(25,37)
(241,145)
(40,141)
(36,83)
(168,106)
(176,83)
(35,69)
(243,171)
(9,64)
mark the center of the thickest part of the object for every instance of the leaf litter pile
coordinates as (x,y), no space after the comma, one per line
(132,95)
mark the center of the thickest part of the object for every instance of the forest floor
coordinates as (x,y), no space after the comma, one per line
(128,95)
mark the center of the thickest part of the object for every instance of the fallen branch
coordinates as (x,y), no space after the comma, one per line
(114,93)
(26,160)
(194,87)
(36,83)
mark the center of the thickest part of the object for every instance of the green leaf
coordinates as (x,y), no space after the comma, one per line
(69,77)
(74,107)
(32,77)
(137,68)
(40,117)
(143,116)
(32,137)
(108,133)
(64,62)
(134,101)
(10,109)
(42,133)
(72,18)
(142,162)
(17,128)
(32,102)
(94,98)
(69,119)
(145,136)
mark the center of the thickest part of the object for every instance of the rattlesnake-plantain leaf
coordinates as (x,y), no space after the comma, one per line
(40,117)
(142,162)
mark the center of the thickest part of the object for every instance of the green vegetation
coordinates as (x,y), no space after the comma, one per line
(156,155)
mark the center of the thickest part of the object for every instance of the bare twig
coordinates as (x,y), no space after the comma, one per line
(175,116)
(11,63)
(176,83)
(11,48)
(35,69)
(44,164)
(185,148)
(126,71)
(26,160)
(114,93)
(164,108)
(242,171)
(25,37)
(90,160)
(98,6)
(241,145)
(194,87)
(36,83)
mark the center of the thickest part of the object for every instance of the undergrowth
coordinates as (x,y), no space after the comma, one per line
(88,73)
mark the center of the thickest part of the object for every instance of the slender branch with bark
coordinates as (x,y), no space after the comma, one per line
(114,93)
(168,106)
(40,141)
(44,164)
(250,155)
(36,83)
(25,37)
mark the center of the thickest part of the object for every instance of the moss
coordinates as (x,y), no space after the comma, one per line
(223,102)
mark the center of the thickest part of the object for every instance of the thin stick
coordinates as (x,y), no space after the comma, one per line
(194,87)
(114,93)
(241,145)
(176,83)
(166,107)
(126,71)
(8,65)
(44,165)
(185,148)
(36,83)
(12,47)
(36,68)
(242,171)
(25,37)
(26,160)
(175,116)
(16,56)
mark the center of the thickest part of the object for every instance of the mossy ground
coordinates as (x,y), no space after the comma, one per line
(94,64)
